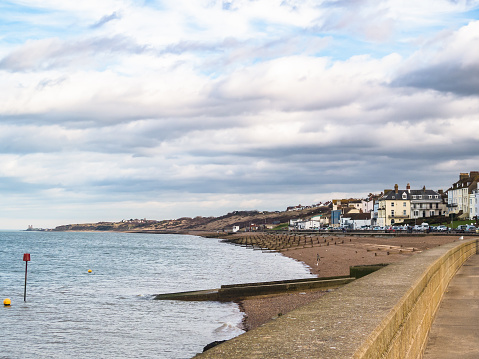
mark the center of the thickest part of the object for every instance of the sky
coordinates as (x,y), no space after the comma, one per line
(161,109)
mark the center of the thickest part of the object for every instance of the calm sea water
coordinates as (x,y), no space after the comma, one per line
(110,312)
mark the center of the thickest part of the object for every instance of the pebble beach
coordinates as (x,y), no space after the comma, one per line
(336,255)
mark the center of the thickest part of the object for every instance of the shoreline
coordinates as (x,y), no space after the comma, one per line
(335,260)
(336,256)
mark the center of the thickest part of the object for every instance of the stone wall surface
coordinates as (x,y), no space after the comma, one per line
(386,314)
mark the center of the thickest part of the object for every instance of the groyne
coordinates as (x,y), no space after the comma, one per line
(234,292)
(387,314)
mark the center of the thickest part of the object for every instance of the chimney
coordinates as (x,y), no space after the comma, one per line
(463,176)
(408,188)
(396,188)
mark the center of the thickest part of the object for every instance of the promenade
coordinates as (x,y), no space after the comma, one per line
(455,330)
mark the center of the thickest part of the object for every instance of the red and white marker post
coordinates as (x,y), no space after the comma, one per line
(26,259)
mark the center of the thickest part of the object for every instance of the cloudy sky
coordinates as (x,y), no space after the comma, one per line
(119,109)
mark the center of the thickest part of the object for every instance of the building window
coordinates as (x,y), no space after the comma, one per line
(404,212)
(404,204)
(413,197)
(392,204)
(431,213)
(416,213)
(392,213)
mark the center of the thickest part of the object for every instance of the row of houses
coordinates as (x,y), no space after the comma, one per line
(397,205)
(394,206)
(299,207)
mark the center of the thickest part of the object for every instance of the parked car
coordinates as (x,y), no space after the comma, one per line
(441,228)
(470,228)
(466,228)
(421,227)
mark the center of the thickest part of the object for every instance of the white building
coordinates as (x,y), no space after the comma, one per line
(477,200)
(292,222)
(308,225)
(458,196)
(474,203)
(367,205)
(355,221)
(321,218)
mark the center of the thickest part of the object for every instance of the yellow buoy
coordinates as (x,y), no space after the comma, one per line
(89,271)
(7,302)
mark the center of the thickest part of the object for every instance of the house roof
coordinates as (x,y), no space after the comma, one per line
(347,210)
(469,182)
(391,195)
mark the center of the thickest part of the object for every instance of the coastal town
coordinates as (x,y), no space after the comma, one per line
(401,208)
(394,209)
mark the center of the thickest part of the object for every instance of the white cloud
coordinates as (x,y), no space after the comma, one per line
(119,110)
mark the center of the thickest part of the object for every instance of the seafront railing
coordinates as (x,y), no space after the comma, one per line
(387,314)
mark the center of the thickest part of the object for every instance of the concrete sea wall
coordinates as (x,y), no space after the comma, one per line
(387,314)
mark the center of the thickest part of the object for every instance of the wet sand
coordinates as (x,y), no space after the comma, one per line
(335,260)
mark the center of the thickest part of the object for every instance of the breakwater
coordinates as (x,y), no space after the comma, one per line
(235,292)
(282,242)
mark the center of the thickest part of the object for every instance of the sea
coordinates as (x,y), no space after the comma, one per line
(90,294)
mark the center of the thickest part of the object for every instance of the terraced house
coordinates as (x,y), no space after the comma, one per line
(397,205)
(462,195)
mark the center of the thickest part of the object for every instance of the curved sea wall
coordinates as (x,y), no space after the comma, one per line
(387,314)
